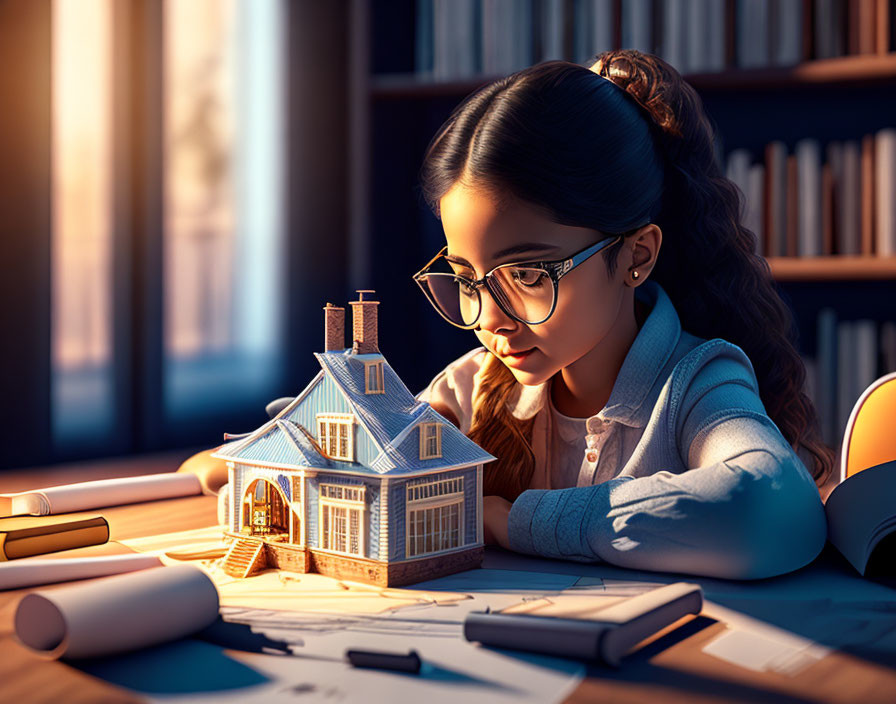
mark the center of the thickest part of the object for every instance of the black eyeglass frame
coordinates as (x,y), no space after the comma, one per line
(555,269)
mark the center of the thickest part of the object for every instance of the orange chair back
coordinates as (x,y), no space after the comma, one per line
(870,437)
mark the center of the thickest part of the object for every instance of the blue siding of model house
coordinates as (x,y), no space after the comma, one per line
(326,397)
(237,496)
(397,522)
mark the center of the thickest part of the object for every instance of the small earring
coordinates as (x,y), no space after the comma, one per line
(635,274)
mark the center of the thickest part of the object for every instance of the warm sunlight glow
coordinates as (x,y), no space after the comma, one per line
(223,175)
(81,245)
(82,212)
(199,193)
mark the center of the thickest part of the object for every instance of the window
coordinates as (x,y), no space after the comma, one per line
(342,493)
(342,518)
(429,489)
(223,193)
(184,185)
(435,516)
(373,378)
(335,434)
(430,440)
(82,247)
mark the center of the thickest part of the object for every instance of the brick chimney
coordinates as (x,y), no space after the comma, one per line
(334,328)
(364,323)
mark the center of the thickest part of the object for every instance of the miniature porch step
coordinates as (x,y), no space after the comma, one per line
(244,558)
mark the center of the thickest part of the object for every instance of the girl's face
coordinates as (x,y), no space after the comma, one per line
(481,235)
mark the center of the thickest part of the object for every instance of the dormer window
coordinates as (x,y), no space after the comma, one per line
(373,378)
(430,440)
(335,433)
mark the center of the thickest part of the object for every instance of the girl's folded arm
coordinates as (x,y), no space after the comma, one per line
(747,509)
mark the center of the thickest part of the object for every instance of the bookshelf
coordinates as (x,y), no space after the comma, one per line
(832,98)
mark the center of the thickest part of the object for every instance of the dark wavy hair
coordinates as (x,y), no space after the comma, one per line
(612,155)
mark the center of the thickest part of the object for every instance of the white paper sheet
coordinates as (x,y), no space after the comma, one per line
(34,572)
(760,646)
(117,614)
(453,669)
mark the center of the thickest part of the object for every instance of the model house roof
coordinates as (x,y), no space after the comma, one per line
(279,442)
(389,418)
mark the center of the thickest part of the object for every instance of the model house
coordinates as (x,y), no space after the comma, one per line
(355,478)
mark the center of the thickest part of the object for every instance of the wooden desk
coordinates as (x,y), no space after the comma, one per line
(672,668)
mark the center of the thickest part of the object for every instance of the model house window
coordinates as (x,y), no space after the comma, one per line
(342,518)
(430,440)
(434,529)
(373,378)
(433,489)
(342,493)
(435,516)
(335,433)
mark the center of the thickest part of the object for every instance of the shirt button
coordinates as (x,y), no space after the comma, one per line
(591,457)
(595,424)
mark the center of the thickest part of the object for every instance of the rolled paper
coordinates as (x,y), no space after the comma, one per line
(117,614)
(34,572)
(210,471)
(100,493)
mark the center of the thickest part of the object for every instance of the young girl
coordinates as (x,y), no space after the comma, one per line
(637,380)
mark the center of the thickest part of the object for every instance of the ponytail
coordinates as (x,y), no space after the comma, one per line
(718,284)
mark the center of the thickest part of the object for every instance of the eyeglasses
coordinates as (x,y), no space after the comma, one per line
(526,291)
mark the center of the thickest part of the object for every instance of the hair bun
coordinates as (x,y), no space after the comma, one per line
(649,80)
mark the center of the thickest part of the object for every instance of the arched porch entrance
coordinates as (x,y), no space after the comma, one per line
(265,511)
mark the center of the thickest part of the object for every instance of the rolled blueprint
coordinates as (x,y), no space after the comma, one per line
(34,572)
(117,614)
(97,494)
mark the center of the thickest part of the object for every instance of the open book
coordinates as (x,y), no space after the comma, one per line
(583,626)
(861,514)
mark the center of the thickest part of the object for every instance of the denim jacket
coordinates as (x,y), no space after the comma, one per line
(683,472)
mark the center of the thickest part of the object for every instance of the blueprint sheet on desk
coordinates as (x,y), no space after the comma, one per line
(322,617)
(454,669)
(795,619)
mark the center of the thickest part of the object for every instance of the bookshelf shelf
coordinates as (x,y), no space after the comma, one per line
(861,70)
(833,268)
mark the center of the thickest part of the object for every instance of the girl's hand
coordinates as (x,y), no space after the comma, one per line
(496,511)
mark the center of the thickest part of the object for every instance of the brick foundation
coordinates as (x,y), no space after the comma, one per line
(285,556)
(394,574)
(288,557)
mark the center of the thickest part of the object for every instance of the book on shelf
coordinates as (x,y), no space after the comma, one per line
(636,25)
(463,38)
(775,198)
(836,200)
(867,226)
(885,192)
(25,536)
(861,517)
(808,198)
(849,356)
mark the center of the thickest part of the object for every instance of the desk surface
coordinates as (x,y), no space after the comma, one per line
(672,668)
